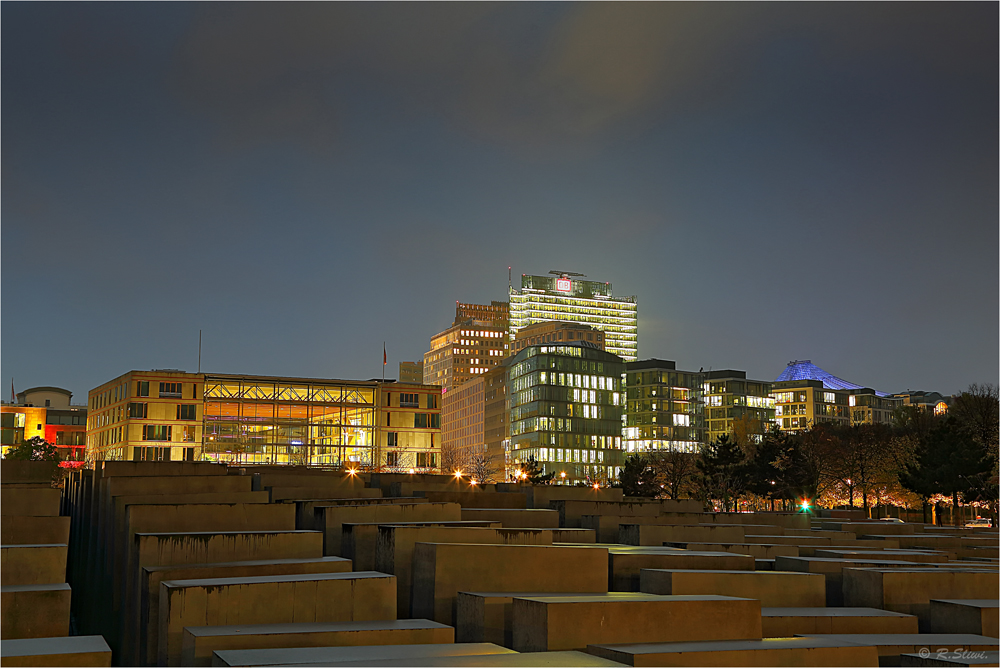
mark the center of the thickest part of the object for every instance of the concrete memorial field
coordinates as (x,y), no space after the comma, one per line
(192,563)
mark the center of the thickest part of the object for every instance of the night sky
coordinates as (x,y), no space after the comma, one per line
(305,181)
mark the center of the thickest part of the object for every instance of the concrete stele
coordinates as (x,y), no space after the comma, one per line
(771,588)
(765,652)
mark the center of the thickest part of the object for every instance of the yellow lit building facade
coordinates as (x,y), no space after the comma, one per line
(664,408)
(867,407)
(799,404)
(168,415)
(462,422)
(735,406)
(563,297)
(555,331)
(473,345)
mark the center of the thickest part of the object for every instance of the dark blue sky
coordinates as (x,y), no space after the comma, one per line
(303,181)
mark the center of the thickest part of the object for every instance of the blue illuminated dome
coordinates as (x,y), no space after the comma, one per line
(806,370)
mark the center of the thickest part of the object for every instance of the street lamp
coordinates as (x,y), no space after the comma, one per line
(458,474)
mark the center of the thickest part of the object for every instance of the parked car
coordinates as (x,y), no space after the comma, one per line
(978,523)
(891,519)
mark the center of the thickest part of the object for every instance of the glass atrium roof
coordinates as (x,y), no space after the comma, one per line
(806,370)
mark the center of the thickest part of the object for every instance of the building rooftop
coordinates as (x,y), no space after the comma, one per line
(806,370)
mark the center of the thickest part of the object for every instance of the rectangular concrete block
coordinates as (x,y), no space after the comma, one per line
(572,511)
(488,616)
(914,556)
(396,543)
(911,590)
(305,513)
(833,570)
(772,588)
(330,519)
(68,651)
(573,622)
(541,496)
(276,599)
(572,535)
(786,622)
(891,646)
(640,534)
(286,494)
(199,642)
(108,469)
(976,616)
(30,502)
(441,570)
(19,530)
(766,652)
(757,551)
(26,472)
(478,499)
(624,565)
(401,655)
(799,521)
(359,541)
(34,611)
(535,518)
(146,643)
(32,564)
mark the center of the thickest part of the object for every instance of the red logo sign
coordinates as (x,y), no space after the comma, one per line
(564,285)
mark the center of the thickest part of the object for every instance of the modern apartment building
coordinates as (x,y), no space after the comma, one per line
(867,407)
(799,404)
(664,408)
(411,372)
(933,402)
(462,427)
(556,331)
(736,406)
(174,415)
(496,422)
(565,405)
(46,412)
(469,348)
(564,297)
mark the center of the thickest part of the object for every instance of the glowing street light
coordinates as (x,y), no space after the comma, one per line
(597,485)
(352,471)
(458,474)
(562,474)
(411,471)
(472,482)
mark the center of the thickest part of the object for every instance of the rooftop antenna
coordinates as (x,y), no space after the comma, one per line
(566,273)
(509,282)
(199,351)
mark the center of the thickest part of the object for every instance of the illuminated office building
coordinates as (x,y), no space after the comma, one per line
(867,407)
(170,415)
(736,406)
(462,429)
(805,395)
(565,405)
(46,412)
(474,344)
(555,331)
(411,372)
(663,409)
(564,297)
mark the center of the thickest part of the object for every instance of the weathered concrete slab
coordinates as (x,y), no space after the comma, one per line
(285,494)
(876,527)
(17,530)
(32,564)
(766,652)
(332,655)
(572,511)
(923,540)
(359,541)
(26,472)
(787,540)
(210,547)
(333,481)
(477,499)
(513,659)
(305,513)
(146,643)
(518,518)
(540,496)
(915,556)
(976,616)
(394,553)
(648,534)
(755,550)
(910,590)
(34,611)
(441,570)
(786,622)
(624,565)
(781,519)
(108,469)
(274,599)
(951,658)
(199,642)
(454,485)
(488,616)
(330,519)
(572,622)
(29,502)
(68,651)
(772,588)
(890,646)
(833,570)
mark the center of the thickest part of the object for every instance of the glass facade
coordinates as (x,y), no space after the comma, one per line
(547,298)
(565,405)
(664,409)
(267,421)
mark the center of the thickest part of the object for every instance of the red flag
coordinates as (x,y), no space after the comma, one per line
(385,359)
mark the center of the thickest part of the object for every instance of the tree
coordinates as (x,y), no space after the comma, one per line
(674,472)
(978,410)
(949,461)
(637,477)
(722,472)
(533,472)
(35,448)
(483,466)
